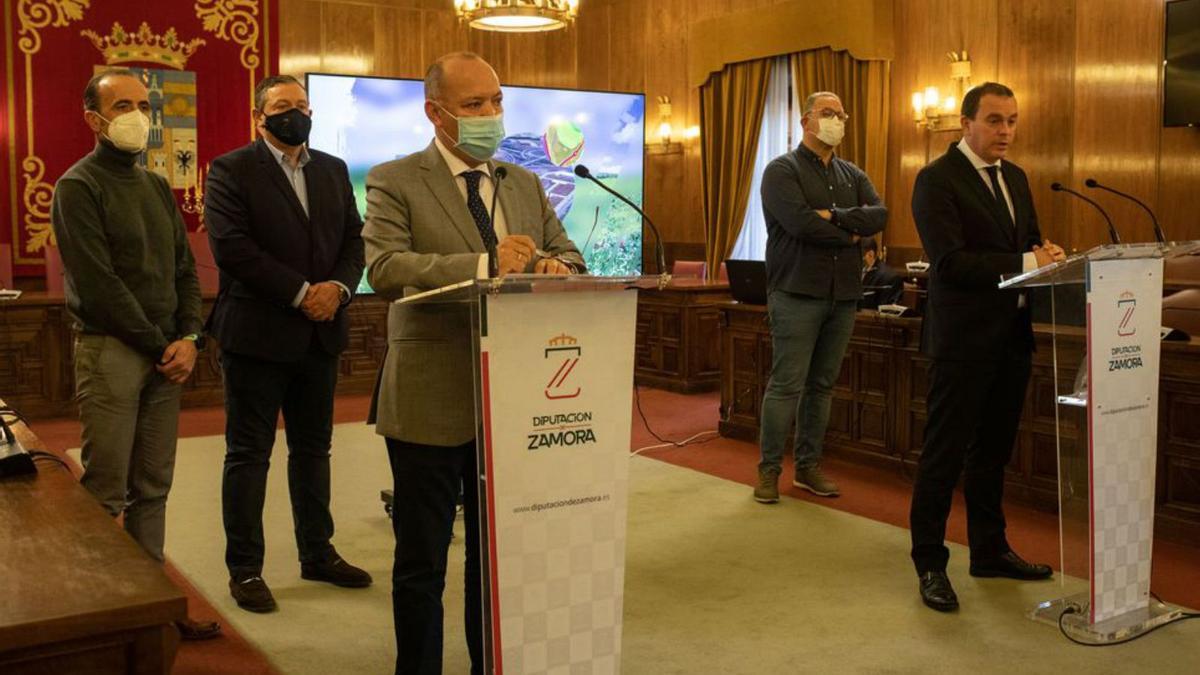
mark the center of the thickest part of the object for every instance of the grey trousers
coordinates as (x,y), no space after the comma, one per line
(130,419)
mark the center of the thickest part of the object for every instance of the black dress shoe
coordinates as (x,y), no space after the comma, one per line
(1010,565)
(252,594)
(937,593)
(337,572)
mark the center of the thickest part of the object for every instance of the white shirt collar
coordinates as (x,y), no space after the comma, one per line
(976,161)
(457,166)
(282,158)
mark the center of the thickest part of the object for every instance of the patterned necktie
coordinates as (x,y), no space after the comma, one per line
(478,211)
(993,173)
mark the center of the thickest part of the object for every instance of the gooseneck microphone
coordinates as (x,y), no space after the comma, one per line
(660,256)
(498,174)
(1112,231)
(1158,231)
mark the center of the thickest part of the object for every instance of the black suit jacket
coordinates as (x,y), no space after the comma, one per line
(266,248)
(970,245)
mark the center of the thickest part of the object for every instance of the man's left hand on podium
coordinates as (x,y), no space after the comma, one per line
(551,266)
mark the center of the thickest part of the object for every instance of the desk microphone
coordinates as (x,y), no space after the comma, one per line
(1158,231)
(659,256)
(498,174)
(1112,231)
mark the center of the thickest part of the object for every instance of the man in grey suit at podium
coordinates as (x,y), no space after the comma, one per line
(429,224)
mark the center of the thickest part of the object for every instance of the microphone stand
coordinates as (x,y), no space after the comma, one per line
(660,256)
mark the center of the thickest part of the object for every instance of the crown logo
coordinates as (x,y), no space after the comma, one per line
(120,46)
(563,339)
(1127,295)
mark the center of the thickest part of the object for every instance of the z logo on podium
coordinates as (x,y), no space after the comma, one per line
(1126,303)
(566,347)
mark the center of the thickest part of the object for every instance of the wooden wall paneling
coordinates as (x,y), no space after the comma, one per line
(493,47)
(348,45)
(397,44)
(628,39)
(546,59)
(441,33)
(1040,79)
(666,24)
(593,28)
(1178,205)
(300,37)
(1117,120)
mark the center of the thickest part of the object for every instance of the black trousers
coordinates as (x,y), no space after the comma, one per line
(974,409)
(427,479)
(255,392)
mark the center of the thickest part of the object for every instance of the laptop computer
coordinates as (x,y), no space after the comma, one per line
(747,281)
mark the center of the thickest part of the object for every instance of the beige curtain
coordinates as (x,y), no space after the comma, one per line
(731,113)
(864,89)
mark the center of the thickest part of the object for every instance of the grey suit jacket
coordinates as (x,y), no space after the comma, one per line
(419,236)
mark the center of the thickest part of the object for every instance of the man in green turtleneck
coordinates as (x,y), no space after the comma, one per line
(131,287)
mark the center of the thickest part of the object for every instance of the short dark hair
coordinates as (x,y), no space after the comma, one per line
(91,93)
(869,244)
(970,104)
(264,85)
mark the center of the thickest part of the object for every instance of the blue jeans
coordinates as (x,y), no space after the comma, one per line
(809,338)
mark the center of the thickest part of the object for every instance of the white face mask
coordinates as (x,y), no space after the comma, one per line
(128,131)
(830,130)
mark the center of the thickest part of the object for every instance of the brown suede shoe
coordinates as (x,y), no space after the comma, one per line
(252,594)
(337,572)
(190,629)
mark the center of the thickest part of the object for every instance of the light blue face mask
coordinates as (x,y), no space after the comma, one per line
(479,137)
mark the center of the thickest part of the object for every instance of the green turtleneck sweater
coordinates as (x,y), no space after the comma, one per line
(129,271)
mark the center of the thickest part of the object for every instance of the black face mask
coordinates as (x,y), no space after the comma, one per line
(290,127)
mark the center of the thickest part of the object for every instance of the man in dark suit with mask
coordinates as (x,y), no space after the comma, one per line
(975,215)
(286,235)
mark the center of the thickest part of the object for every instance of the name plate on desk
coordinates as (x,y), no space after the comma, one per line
(556,372)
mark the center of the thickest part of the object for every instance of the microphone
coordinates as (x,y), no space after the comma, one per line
(660,258)
(498,174)
(1158,231)
(1112,231)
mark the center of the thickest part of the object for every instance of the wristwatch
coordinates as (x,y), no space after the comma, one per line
(199,339)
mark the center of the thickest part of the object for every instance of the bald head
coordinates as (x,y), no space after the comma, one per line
(450,71)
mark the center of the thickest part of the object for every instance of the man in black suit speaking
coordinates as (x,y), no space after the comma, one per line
(286,235)
(975,215)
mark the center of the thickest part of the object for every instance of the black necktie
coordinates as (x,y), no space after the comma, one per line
(994,173)
(478,211)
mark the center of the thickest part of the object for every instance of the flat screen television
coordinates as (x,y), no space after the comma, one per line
(370,120)
(1181,70)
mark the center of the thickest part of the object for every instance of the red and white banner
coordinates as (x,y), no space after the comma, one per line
(557,376)
(1124,317)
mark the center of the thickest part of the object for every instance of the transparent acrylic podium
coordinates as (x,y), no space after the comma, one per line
(553,380)
(1106,414)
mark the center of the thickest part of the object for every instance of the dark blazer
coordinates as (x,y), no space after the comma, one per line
(266,248)
(970,245)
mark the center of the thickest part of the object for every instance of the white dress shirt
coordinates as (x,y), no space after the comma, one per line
(1028,259)
(486,189)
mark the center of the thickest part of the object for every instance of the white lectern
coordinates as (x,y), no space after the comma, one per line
(553,402)
(1106,462)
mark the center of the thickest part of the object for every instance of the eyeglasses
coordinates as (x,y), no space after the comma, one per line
(830,113)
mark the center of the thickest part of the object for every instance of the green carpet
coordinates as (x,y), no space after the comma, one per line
(715,583)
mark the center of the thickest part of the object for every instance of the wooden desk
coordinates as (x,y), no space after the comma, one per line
(878,413)
(37,368)
(76,593)
(677,336)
